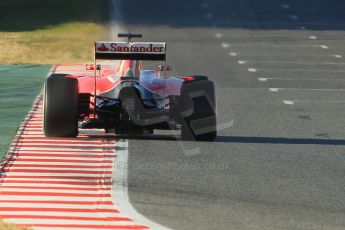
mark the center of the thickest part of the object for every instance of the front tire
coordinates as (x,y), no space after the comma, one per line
(61,106)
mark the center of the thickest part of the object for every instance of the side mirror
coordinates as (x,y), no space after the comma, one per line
(92,67)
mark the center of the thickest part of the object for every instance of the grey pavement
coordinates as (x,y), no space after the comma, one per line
(279,159)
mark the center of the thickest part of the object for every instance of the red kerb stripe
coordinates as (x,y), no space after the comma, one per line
(88,226)
(96,172)
(52,194)
(96,183)
(4,216)
(60,166)
(56,188)
(41,209)
(96,203)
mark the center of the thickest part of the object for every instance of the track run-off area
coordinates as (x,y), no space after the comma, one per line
(65,183)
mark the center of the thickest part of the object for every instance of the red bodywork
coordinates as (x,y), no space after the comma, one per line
(110,76)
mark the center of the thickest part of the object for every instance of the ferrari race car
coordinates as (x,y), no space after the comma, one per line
(128,99)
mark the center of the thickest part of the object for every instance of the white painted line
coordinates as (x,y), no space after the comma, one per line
(299,89)
(120,188)
(295,62)
(241,62)
(209,15)
(297,70)
(233,54)
(241,44)
(275,89)
(312,37)
(262,79)
(225,45)
(252,70)
(218,35)
(298,79)
(288,102)
(226,22)
(290,55)
(338,56)
(324,46)
(285,6)
(293,17)
(204,5)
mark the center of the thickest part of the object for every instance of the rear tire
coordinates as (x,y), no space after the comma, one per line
(61,106)
(205,113)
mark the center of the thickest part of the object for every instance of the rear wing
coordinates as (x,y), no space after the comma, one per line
(153,51)
(110,50)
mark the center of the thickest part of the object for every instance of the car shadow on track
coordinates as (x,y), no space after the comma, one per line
(236,139)
(149,137)
(278,140)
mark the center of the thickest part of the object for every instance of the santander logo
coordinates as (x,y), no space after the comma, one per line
(103,48)
(137,48)
(128,48)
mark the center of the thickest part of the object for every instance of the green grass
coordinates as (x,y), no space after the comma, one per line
(6,226)
(19,86)
(69,43)
(31,15)
(51,31)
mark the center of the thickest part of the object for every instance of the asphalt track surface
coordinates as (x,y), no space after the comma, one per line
(279,159)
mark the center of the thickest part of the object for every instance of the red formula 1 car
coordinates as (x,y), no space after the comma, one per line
(128,99)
